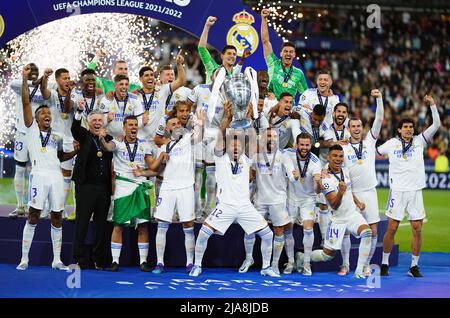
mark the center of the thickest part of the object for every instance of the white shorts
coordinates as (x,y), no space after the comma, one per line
(181,200)
(245,215)
(277,213)
(204,151)
(124,189)
(321,199)
(303,210)
(336,231)
(67,165)
(21,147)
(46,185)
(409,202)
(371,213)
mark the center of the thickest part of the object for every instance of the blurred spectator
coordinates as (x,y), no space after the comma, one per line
(441,163)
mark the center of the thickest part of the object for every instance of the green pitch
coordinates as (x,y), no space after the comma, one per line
(436,234)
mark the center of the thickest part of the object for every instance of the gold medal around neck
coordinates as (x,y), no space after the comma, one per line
(302,180)
(317,144)
(360,162)
(133,164)
(404,156)
(99,154)
(43,149)
(285,85)
(64,116)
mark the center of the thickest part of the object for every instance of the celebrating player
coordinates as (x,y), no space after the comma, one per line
(336,187)
(131,199)
(284,76)
(302,192)
(407,179)
(232,173)
(20,146)
(177,189)
(359,158)
(46,181)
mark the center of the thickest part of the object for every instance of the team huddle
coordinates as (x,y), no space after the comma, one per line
(300,163)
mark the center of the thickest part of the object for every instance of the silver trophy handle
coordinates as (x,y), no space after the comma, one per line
(253,78)
(215,93)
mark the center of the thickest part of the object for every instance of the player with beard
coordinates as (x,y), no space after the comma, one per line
(284,76)
(20,145)
(322,95)
(336,186)
(131,198)
(60,101)
(359,159)
(46,181)
(302,192)
(177,189)
(233,173)
(268,97)
(270,166)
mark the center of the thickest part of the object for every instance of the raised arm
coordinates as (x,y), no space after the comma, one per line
(181,77)
(379,114)
(430,131)
(267,46)
(78,132)
(227,118)
(27,112)
(199,127)
(44,83)
(204,36)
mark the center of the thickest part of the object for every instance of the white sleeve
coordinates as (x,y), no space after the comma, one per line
(161,130)
(288,166)
(379,115)
(384,148)
(237,69)
(328,135)
(16,86)
(193,96)
(295,129)
(317,168)
(430,131)
(328,186)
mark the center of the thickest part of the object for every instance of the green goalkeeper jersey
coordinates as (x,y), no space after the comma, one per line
(284,80)
(211,65)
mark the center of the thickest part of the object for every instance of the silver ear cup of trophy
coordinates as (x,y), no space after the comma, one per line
(237,89)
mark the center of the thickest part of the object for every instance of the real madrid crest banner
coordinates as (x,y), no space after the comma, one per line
(237,24)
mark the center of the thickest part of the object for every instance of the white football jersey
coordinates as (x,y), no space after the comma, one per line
(44,159)
(154,106)
(123,165)
(91,104)
(61,120)
(310,97)
(233,189)
(36,101)
(122,109)
(200,96)
(180,93)
(271,179)
(306,125)
(348,206)
(179,171)
(287,127)
(362,172)
(298,189)
(406,173)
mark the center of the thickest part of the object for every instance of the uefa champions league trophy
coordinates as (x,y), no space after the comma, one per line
(238,90)
(241,90)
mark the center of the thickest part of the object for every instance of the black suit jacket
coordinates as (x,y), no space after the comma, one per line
(83,136)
